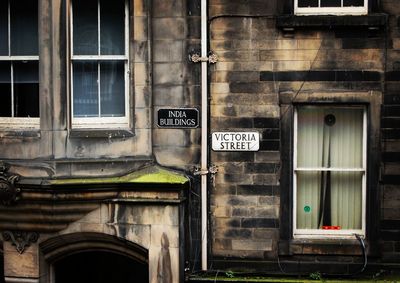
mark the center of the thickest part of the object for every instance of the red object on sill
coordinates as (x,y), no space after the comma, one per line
(331,227)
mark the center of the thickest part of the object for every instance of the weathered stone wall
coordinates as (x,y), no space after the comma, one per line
(390,214)
(245,200)
(151,227)
(263,70)
(163,33)
(175,34)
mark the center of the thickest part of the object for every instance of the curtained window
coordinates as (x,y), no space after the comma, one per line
(329,170)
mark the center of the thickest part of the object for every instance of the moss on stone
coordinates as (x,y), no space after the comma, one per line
(149,175)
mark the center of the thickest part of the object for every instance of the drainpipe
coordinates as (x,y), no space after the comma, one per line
(204,135)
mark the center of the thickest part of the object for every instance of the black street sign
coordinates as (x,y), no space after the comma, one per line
(178,118)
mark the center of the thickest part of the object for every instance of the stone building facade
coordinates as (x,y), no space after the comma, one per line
(86,190)
(88,181)
(276,61)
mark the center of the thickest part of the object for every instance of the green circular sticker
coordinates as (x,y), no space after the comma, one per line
(307,209)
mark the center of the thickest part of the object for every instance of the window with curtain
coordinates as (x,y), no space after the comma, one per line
(99,65)
(329,170)
(333,7)
(19,63)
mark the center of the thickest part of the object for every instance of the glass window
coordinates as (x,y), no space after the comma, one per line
(334,7)
(19,63)
(329,170)
(99,63)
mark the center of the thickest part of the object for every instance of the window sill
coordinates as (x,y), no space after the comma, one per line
(96,133)
(350,247)
(330,21)
(20,133)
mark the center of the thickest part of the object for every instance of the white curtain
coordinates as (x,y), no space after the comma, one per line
(329,153)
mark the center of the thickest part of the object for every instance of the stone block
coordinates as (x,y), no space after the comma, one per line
(170,137)
(140,74)
(163,8)
(140,7)
(222,244)
(168,50)
(233,233)
(142,96)
(24,265)
(140,31)
(143,118)
(168,73)
(289,55)
(140,51)
(267,156)
(221,211)
(91,217)
(170,266)
(172,232)
(177,156)
(252,245)
(146,215)
(169,28)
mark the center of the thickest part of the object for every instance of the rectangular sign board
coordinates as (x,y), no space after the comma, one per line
(178,118)
(236,141)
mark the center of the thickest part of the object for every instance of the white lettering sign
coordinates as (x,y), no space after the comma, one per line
(236,141)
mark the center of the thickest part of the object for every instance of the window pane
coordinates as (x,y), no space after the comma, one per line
(320,144)
(3,28)
(85,89)
(26,89)
(112,25)
(308,199)
(112,89)
(347,3)
(85,28)
(329,199)
(5,89)
(308,3)
(24,27)
(331,3)
(346,200)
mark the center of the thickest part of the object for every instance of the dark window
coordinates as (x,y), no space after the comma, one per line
(19,59)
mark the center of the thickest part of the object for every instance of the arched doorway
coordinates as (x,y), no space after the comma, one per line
(94,258)
(99,267)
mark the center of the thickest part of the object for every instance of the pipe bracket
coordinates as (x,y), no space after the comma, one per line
(212,58)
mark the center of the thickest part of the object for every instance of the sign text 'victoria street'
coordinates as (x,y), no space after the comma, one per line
(236,141)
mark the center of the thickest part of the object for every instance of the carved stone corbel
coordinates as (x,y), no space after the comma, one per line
(20,239)
(9,193)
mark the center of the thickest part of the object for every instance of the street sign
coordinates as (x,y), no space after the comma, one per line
(236,141)
(178,118)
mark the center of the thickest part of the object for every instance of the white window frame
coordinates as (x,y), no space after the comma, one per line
(320,233)
(16,122)
(101,122)
(308,11)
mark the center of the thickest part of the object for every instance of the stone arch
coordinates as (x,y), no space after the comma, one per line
(56,248)
(63,256)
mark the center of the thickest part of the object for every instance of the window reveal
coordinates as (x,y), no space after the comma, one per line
(19,60)
(329,170)
(99,63)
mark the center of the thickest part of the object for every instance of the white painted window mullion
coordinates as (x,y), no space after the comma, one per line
(98,28)
(9,27)
(98,89)
(99,54)
(12,89)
